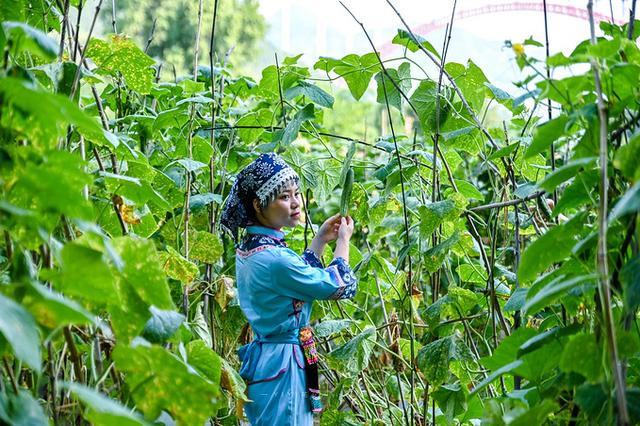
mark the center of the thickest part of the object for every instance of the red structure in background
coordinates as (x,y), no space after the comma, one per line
(558,9)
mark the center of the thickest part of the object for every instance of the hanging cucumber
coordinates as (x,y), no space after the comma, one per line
(346,193)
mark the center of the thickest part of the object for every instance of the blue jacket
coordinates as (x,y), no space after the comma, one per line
(276,288)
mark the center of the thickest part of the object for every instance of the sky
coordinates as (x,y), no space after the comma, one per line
(325,28)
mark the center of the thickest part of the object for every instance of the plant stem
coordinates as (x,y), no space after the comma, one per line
(12,377)
(603,266)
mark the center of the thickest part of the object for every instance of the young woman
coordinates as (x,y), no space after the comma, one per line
(276,288)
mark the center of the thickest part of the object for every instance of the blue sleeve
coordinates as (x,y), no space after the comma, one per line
(312,259)
(293,277)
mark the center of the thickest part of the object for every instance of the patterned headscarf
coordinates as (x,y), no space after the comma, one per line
(264,179)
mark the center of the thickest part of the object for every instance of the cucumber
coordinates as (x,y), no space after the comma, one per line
(544,207)
(346,193)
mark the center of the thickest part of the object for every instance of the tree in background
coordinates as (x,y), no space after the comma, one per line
(239,26)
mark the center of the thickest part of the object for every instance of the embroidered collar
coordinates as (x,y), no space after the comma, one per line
(259,238)
(263,230)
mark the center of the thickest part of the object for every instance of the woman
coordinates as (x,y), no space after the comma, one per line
(276,288)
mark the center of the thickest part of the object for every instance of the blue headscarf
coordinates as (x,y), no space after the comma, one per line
(265,178)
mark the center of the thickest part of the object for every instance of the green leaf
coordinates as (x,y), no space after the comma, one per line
(205,247)
(434,257)
(536,415)
(53,186)
(404,38)
(628,203)
(553,246)
(583,355)
(158,380)
(546,133)
(495,374)
(121,55)
(177,267)
(21,409)
(205,360)
(20,330)
(552,291)
(161,325)
(434,214)
(451,400)
(313,92)
(626,158)
(330,327)
(198,201)
(47,115)
(424,100)
(353,356)
(101,409)
(517,300)
(142,271)
(402,79)
(232,381)
(86,275)
(434,358)
(472,273)
(630,279)
(26,38)
(507,350)
(52,309)
(592,399)
(551,335)
(293,127)
(566,172)
(468,190)
(357,72)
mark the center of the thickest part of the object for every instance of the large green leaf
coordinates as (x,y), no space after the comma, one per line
(102,410)
(508,368)
(566,172)
(85,274)
(52,309)
(311,91)
(628,203)
(161,325)
(424,101)
(626,158)
(205,247)
(434,358)
(25,38)
(290,132)
(353,356)
(21,409)
(158,381)
(46,115)
(142,271)
(20,330)
(630,279)
(451,399)
(553,246)
(205,360)
(404,38)
(402,79)
(356,71)
(121,55)
(546,133)
(177,267)
(554,290)
(582,354)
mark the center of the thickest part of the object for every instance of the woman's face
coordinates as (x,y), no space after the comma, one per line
(283,211)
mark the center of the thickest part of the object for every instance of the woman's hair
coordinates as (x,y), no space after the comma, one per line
(247,203)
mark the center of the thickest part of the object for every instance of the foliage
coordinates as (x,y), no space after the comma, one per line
(479,297)
(172,25)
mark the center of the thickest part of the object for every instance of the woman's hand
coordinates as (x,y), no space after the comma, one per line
(329,230)
(346,228)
